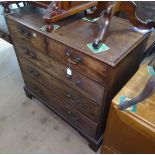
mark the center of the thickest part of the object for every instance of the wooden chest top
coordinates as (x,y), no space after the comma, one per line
(77,33)
(146,109)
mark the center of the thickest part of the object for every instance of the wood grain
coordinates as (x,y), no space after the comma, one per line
(70,113)
(101,75)
(76,98)
(85,65)
(27,36)
(58,70)
(134,132)
(120,33)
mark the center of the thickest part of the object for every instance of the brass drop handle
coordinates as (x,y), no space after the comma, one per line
(34,72)
(73,117)
(29,54)
(75,101)
(78,82)
(27,34)
(69,95)
(78,59)
(71,61)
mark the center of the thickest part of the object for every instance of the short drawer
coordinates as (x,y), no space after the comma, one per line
(94,90)
(32,55)
(69,113)
(82,63)
(67,93)
(26,36)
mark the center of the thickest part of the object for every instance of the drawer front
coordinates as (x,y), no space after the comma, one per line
(93,90)
(85,65)
(78,80)
(69,94)
(32,55)
(24,35)
(77,119)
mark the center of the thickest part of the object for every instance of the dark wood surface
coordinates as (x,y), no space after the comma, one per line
(57,11)
(82,63)
(117,33)
(129,132)
(43,61)
(25,35)
(85,33)
(71,114)
(59,70)
(69,94)
(107,9)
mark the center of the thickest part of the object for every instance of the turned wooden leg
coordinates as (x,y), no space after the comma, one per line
(104,25)
(147,91)
(28,94)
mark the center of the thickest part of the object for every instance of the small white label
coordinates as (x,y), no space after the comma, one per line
(69,71)
(34,34)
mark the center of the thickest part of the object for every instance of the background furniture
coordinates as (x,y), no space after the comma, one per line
(82,98)
(144,11)
(129,132)
(59,10)
(4,33)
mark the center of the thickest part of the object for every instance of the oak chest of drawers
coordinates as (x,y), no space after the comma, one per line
(128,131)
(83,98)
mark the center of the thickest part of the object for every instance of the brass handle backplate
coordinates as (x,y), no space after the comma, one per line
(34,72)
(73,117)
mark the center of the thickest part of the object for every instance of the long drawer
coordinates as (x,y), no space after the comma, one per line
(86,65)
(32,55)
(26,36)
(67,93)
(76,118)
(78,81)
